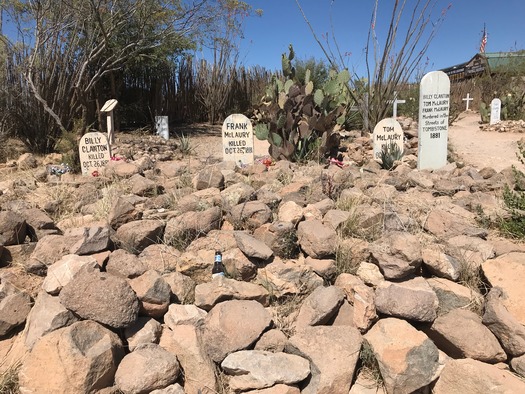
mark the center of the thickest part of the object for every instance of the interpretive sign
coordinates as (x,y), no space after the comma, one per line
(94,153)
(387,132)
(237,139)
(434,103)
(495,111)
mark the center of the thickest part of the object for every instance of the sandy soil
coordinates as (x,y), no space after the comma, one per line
(483,148)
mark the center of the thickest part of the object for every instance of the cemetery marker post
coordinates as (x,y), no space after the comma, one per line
(495,111)
(108,108)
(434,103)
(237,139)
(468,99)
(394,103)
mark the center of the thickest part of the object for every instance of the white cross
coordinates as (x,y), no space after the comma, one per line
(468,99)
(395,102)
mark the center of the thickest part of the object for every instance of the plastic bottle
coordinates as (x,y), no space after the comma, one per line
(218,269)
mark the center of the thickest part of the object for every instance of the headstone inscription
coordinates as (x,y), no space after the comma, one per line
(162,127)
(237,139)
(434,103)
(108,108)
(495,111)
(388,131)
(95,153)
(468,99)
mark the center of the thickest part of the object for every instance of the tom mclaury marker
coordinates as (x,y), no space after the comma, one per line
(94,152)
(237,139)
(387,132)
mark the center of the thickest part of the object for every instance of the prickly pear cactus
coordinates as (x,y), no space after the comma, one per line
(484,112)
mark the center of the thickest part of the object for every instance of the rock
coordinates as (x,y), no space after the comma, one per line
(47,315)
(398,254)
(325,268)
(197,264)
(147,368)
(38,223)
(237,193)
(120,169)
(251,214)
(291,212)
(222,289)
(182,287)
(316,239)
(445,224)
(171,389)
(361,297)
(237,265)
(60,273)
(277,389)
(336,217)
(81,358)
(452,295)
(122,211)
(287,278)
(252,247)
(102,297)
(208,177)
(137,235)
(153,293)
(26,161)
(369,274)
(413,299)
(461,334)
(190,225)
(509,331)
(320,306)
(199,370)
(12,228)
(145,330)
(160,257)
(142,186)
(232,326)
(281,237)
(256,369)
(90,240)
(272,340)
(345,315)
(333,357)
(124,264)
(518,365)
(441,264)
(15,305)
(184,314)
(508,273)
(408,360)
(469,376)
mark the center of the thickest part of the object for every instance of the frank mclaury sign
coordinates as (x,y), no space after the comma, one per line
(237,139)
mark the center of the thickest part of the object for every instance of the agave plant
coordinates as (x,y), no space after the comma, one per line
(390,153)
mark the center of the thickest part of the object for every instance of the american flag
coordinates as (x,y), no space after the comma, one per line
(483,41)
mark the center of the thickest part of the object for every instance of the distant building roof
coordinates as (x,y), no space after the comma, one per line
(482,62)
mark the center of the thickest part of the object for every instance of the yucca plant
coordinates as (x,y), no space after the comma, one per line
(390,153)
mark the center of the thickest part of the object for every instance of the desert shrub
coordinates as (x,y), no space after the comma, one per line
(390,153)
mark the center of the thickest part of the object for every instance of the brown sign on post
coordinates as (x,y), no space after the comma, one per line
(108,108)
(95,153)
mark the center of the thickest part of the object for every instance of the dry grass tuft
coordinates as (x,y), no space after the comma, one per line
(9,380)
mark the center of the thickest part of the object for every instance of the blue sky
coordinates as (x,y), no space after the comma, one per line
(457,40)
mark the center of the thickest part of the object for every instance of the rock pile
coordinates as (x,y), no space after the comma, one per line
(505,126)
(328,268)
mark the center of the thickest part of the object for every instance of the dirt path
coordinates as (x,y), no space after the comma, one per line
(483,148)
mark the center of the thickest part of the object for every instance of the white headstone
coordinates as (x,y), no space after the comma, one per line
(162,127)
(495,111)
(108,108)
(94,151)
(237,139)
(468,99)
(386,132)
(434,103)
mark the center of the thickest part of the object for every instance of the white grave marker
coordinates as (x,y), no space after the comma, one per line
(495,111)
(434,102)
(108,108)
(162,127)
(94,151)
(468,99)
(394,103)
(386,132)
(237,139)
